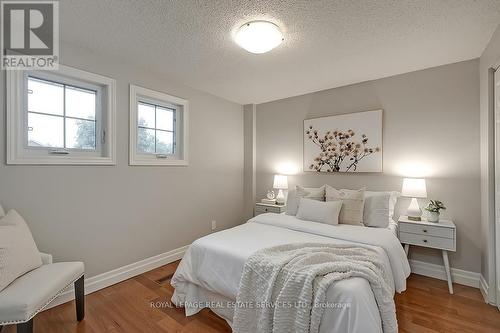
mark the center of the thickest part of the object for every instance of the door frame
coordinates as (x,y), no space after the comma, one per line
(494,228)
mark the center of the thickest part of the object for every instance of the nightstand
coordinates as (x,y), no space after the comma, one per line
(261,208)
(441,236)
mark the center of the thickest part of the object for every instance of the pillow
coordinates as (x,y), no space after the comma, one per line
(353,202)
(319,211)
(294,196)
(2,213)
(18,251)
(379,208)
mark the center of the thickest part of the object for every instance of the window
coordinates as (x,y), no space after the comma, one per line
(158,128)
(155,129)
(60,117)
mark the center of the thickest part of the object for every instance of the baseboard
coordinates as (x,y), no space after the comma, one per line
(466,278)
(484,288)
(120,274)
(123,273)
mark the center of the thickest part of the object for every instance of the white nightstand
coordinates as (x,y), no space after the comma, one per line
(261,208)
(441,236)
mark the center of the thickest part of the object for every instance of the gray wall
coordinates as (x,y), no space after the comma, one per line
(489,58)
(431,117)
(249,113)
(110,216)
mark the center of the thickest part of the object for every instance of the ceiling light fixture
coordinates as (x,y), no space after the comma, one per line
(259,36)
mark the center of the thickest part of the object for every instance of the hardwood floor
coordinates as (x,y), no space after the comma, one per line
(140,304)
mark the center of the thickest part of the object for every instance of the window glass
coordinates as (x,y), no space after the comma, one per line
(45,131)
(146,140)
(164,119)
(164,142)
(146,115)
(80,134)
(80,103)
(155,129)
(45,97)
(60,115)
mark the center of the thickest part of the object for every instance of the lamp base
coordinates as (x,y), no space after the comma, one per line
(414,212)
(280,198)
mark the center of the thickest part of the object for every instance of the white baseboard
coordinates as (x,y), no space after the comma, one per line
(120,274)
(459,276)
(484,288)
(123,273)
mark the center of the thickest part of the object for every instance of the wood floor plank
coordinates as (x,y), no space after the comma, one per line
(142,304)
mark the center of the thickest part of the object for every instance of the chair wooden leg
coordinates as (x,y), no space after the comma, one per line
(80,298)
(26,327)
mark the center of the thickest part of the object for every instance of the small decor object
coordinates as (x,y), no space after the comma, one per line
(344,143)
(280,183)
(268,201)
(434,207)
(414,188)
(270,195)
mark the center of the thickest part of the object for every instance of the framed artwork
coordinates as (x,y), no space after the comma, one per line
(344,143)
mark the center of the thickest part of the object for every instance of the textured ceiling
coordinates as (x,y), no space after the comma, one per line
(327,43)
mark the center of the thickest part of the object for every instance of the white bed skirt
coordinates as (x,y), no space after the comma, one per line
(358,317)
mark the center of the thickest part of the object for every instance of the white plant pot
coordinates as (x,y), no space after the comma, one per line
(433,217)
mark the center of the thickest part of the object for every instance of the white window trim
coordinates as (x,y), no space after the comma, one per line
(15,102)
(180,158)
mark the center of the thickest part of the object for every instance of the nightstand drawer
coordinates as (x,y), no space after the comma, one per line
(425,229)
(427,241)
(261,209)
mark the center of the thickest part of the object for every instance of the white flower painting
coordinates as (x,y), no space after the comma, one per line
(344,143)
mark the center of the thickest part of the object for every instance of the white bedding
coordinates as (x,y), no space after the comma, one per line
(211,268)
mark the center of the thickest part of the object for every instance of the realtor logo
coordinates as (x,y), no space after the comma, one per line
(30,35)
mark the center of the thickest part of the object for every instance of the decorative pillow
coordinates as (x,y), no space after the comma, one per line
(353,202)
(379,208)
(319,211)
(294,196)
(18,251)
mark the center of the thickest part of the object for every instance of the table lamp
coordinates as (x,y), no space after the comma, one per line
(414,188)
(280,183)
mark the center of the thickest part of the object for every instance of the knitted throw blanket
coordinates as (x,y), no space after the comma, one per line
(283,288)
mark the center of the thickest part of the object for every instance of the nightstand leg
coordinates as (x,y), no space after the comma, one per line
(447,269)
(407,249)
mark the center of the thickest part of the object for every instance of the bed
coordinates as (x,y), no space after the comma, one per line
(210,272)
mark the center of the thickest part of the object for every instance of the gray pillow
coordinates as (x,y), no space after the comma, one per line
(294,196)
(319,211)
(379,208)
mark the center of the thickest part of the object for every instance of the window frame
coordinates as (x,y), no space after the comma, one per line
(18,151)
(181,106)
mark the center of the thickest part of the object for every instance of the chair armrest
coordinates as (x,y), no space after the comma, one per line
(46,258)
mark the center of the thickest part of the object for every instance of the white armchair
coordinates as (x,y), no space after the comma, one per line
(32,292)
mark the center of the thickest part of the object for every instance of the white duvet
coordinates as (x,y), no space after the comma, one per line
(212,266)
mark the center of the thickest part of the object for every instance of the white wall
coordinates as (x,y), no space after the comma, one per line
(431,117)
(110,216)
(489,58)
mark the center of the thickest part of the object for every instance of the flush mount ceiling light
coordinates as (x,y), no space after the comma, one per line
(259,36)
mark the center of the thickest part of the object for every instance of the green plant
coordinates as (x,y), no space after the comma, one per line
(435,206)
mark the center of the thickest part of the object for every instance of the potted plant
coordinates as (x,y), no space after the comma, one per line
(434,207)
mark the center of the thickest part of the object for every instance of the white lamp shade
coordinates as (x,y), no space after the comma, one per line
(414,188)
(259,36)
(280,182)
